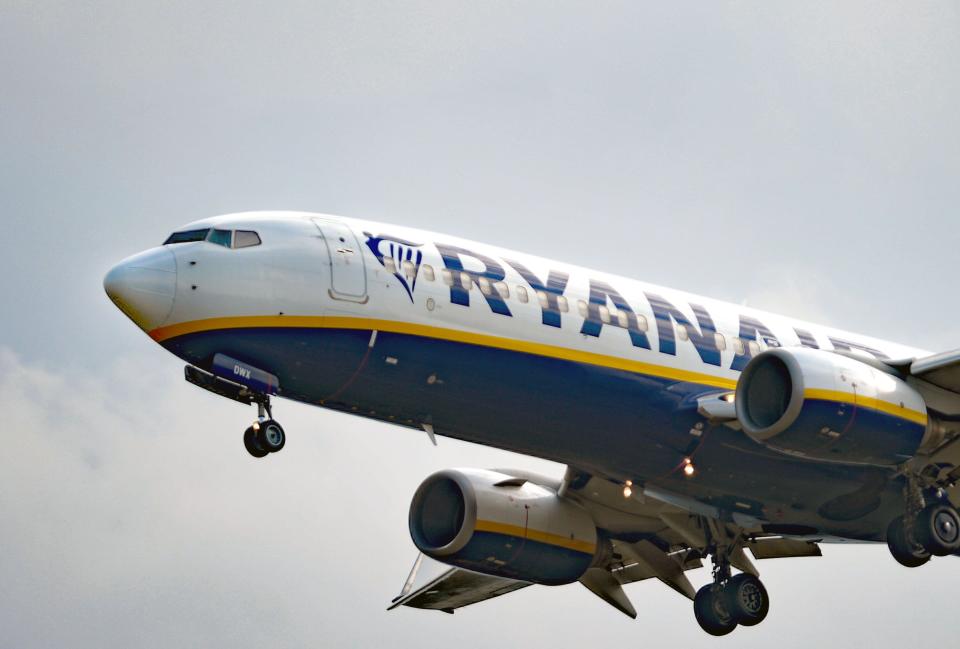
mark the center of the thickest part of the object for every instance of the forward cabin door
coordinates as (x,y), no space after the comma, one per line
(348,276)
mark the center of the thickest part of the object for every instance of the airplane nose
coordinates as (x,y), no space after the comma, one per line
(143,287)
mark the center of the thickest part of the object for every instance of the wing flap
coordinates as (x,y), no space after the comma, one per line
(942,370)
(436,586)
(605,585)
(652,561)
(780,548)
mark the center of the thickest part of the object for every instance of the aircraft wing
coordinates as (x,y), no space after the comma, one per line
(650,537)
(437,586)
(942,370)
(672,533)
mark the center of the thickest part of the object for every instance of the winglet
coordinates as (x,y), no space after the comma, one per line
(605,586)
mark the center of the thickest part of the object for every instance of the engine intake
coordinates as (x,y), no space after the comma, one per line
(827,406)
(497,524)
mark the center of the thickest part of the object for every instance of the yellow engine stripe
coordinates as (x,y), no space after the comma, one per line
(454,335)
(866,402)
(535,535)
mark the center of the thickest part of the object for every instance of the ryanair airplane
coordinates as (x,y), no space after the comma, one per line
(691,429)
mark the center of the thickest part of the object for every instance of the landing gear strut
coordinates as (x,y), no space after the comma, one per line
(741,599)
(265,435)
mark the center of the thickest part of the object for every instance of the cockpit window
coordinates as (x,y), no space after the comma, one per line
(226,238)
(189,235)
(220,237)
(245,239)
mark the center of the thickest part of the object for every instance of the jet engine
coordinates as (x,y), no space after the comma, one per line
(501,525)
(827,406)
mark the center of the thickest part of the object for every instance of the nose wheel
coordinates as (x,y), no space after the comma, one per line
(265,435)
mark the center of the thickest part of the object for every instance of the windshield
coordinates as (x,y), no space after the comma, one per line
(225,238)
(189,235)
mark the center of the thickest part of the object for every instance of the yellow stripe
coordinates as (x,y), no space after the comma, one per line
(484,340)
(338,322)
(536,535)
(865,402)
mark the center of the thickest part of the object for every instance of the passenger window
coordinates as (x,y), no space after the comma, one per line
(466,281)
(447,277)
(563,304)
(543,299)
(485,287)
(522,295)
(720,340)
(221,237)
(642,322)
(754,347)
(623,319)
(409,270)
(428,272)
(390,264)
(682,332)
(503,290)
(738,346)
(604,315)
(245,239)
(582,308)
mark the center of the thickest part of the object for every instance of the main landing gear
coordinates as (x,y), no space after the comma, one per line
(933,531)
(265,435)
(930,526)
(730,601)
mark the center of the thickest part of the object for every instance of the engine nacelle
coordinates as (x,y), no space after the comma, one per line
(827,406)
(496,524)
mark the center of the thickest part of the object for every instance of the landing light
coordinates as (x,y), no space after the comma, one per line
(688,468)
(628,488)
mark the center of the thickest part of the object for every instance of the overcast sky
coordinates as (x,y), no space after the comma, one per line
(799,157)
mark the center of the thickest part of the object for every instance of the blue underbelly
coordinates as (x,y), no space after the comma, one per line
(600,419)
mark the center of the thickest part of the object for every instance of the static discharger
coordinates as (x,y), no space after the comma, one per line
(428,428)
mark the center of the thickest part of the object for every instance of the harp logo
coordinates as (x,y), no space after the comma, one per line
(406,257)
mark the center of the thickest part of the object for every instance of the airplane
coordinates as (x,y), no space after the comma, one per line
(691,429)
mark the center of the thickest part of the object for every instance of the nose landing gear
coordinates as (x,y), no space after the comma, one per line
(265,435)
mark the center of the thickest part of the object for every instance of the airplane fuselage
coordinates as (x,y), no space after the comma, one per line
(512,351)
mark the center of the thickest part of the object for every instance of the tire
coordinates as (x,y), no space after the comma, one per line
(746,599)
(250,442)
(906,552)
(270,436)
(938,529)
(711,612)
